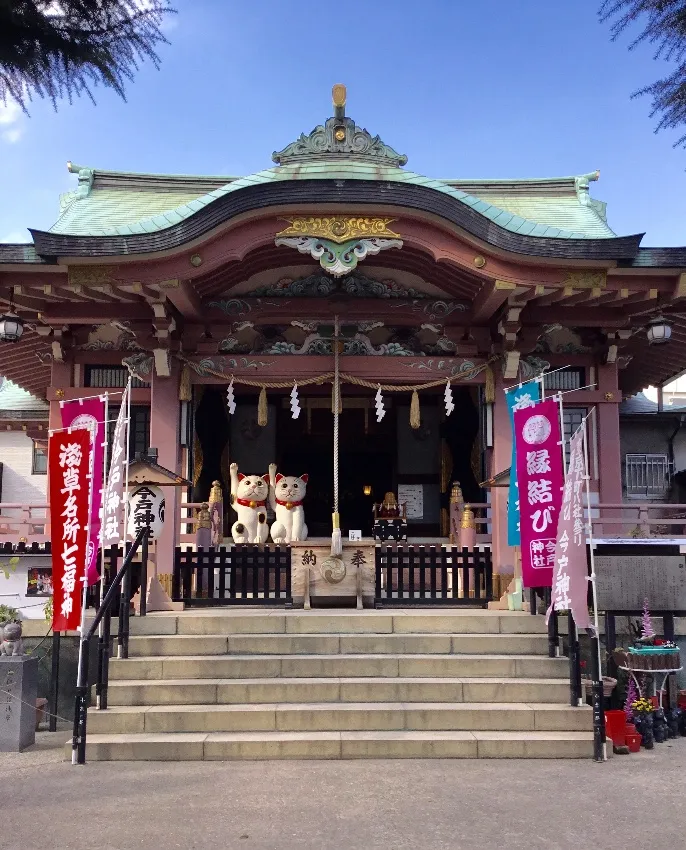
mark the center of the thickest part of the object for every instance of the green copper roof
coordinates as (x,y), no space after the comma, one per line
(111,203)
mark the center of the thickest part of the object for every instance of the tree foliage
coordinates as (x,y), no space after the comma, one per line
(68,47)
(664,27)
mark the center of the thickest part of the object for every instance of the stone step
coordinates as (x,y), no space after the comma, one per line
(230,621)
(353,665)
(335,644)
(335,745)
(336,717)
(284,690)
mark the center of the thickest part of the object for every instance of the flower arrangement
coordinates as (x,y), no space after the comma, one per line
(642,706)
(647,631)
(631,698)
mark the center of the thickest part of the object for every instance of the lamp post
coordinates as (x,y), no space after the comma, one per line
(11,326)
(658,331)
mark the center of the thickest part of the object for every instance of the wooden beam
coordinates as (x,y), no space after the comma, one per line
(491,298)
(93,313)
(186,300)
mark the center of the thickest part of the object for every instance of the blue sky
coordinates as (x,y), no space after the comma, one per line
(488,89)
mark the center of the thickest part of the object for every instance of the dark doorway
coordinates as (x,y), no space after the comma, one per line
(367,462)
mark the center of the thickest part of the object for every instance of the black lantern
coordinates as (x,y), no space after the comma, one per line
(11,326)
(658,331)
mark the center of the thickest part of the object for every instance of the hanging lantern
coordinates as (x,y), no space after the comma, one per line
(380,409)
(230,399)
(658,331)
(11,326)
(448,399)
(295,402)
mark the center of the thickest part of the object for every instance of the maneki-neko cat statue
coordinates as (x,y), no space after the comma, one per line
(249,494)
(286,495)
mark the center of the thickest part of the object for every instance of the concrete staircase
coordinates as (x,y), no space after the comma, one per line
(226,684)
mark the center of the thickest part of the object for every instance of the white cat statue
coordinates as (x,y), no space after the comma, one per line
(249,494)
(286,494)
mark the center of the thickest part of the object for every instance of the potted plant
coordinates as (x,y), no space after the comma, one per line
(643,721)
(8,615)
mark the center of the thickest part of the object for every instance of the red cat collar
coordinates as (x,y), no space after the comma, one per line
(251,503)
(288,505)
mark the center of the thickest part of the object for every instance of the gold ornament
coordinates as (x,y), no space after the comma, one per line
(216,492)
(339,228)
(204,516)
(479,262)
(196,260)
(585,279)
(468,519)
(90,275)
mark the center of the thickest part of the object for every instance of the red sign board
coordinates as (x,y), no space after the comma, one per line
(68,471)
(540,476)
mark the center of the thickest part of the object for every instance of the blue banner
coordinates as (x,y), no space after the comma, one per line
(525,395)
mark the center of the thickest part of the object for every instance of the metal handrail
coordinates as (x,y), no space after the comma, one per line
(104,615)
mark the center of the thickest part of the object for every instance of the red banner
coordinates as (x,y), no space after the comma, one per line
(68,471)
(540,476)
(570,588)
(89,414)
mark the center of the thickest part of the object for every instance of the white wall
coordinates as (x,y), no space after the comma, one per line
(18,484)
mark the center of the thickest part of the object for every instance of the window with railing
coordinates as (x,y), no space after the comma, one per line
(647,476)
(106,377)
(139,431)
(572,418)
(570,378)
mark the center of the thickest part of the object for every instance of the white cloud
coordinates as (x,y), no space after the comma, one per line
(16,236)
(11,122)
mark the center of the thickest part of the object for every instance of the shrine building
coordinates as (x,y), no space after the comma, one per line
(194,283)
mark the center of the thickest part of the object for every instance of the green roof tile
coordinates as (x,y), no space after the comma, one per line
(125,203)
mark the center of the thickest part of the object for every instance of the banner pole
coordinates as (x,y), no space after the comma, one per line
(78,746)
(124,597)
(101,627)
(599,738)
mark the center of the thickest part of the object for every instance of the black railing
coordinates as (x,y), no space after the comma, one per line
(7,548)
(244,574)
(432,575)
(119,592)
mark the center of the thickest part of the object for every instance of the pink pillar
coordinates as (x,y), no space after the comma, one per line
(165,410)
(61,376)
(503,555)
(609,453)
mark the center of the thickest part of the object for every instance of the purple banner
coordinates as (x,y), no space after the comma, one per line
(540,477)
(90,414)
(570,580)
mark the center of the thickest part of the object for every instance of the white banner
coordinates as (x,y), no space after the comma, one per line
(113,497)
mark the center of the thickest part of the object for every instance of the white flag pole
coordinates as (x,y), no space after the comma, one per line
(599,743)
(81,681)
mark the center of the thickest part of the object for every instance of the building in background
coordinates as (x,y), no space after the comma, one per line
(23,445)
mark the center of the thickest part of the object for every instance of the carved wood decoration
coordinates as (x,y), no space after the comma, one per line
(339,242)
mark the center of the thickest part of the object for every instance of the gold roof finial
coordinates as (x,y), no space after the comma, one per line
(339,93)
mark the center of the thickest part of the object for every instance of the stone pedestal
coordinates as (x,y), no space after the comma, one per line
(18,690)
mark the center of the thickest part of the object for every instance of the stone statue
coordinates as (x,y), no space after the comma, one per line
(12,644)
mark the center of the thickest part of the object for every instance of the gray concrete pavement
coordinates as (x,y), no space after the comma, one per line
(356,805)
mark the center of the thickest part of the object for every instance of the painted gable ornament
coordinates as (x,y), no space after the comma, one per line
(339,138)
(339,242)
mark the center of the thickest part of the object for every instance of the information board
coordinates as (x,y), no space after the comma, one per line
(413,497)
(627,574)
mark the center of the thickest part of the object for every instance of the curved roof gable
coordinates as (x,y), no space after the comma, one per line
(128,209)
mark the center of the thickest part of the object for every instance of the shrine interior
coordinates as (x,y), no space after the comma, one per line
(375,457)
